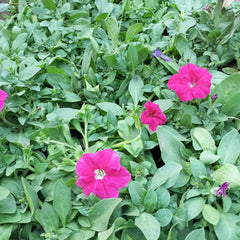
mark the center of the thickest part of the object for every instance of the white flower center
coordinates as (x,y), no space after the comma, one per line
(192,84)
(99,174)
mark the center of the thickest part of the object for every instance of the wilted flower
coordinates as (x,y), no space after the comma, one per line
(101,174)
(227,3)
(153,116)
(191,82)
(222,190)
(158,53)
(3,96)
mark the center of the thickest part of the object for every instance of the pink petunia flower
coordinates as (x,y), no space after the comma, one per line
(153,116)
(3,96)
(191,82)
(222,189)
(101,174)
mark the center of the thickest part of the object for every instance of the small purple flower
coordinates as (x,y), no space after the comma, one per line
(207,8)
(158,53)
(214,97)
(222,190)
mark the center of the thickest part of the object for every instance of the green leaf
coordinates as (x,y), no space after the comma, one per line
(4,192)
(197,234)
(198,169)
(137,193)
(229,147)
(28,72)
(210,214)
(62,201)
(180,217)
(21,5)
(124,129)
(63,114)
(49,4)
(164,104)
(8,205)
(189,6)
(208,157)
(227,173)
(164,216)
(167,174)
(49,218)
(135,89)
(150,201)
(142,55)
(71,97)
(227,88)
(232,106)
(119,223)
(101,212)
(58,81)
(163,197)
(87,56)
(31,196)
(149,226)
(115,63)
(18,138)
(83,234)
(133,30)
(132,56)
(19,42)
(194,207)
(4,7)
(104,6)
(108,106)
(183,48)
(5,231)
(112,29)
(170,145)
(226,227)
(202,139)
(10,218)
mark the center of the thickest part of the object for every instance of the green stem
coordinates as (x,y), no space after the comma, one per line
(118,145)
(61,143)
(6,121)
(86,133)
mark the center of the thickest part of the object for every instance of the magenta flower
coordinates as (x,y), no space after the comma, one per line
(3,96)
(101,174)
(191,82)
(153,116)
(222,190)
(158,53)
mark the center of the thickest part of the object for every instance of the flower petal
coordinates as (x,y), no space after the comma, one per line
(153,115)
(3,95)
(118,179)
(191,82)
(107,159)
(86,164)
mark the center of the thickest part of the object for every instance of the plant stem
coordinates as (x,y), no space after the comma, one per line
(117,145)
(86,133)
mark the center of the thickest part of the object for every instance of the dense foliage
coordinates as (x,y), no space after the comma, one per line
(77,74)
